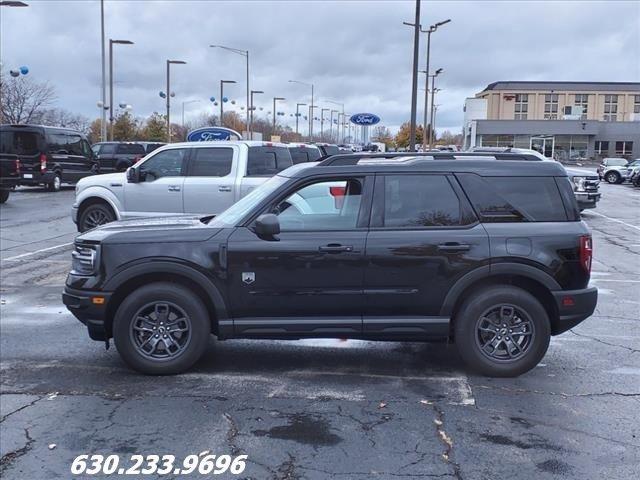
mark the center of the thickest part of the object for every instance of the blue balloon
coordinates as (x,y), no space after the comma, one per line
(24,70)
(212,99)
(225,99)
(162,95)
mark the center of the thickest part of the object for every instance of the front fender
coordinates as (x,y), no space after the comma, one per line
(102,193)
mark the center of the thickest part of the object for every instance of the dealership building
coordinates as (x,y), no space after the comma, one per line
(563,120)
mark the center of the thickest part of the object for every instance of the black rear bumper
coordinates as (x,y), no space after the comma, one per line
(81,304)
(574,306)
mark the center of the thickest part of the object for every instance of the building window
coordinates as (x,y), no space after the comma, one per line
(610,108)
(551,106)
(602,147)
(636,104)
(582,100)
(522,106)
(624,148)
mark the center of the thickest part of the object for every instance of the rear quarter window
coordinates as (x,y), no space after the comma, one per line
(14,142)
(514,199)
(267,161)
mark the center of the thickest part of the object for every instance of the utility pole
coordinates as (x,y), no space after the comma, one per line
(322,122)
(111,43)
(251,116)
(222,82)
(103,125)
(298,105)
(414,80)
(433,86)
(169,63)
(275,99)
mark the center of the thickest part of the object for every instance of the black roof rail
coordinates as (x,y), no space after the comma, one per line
(353,159)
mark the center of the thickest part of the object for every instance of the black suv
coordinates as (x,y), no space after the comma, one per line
(489,254)
(48,156)
(117,156)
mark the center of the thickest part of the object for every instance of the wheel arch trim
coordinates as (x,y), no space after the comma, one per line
(99,193)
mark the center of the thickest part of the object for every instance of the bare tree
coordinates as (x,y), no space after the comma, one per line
(58,117)
(23,99)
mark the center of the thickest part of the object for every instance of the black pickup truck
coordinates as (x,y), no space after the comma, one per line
(9,175)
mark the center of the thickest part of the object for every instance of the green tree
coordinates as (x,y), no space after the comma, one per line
(95,131)
(402,137)
(125,127)
(155,128)
(382,134)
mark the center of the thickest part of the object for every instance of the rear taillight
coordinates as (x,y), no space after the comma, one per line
(17,166)
(338,196)
(43,163)
(586,252)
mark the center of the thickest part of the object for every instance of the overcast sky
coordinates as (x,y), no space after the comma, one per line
(356,52)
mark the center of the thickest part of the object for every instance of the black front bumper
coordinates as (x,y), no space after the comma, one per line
(94,316)
(574,306)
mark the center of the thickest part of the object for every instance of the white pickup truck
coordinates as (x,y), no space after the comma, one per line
(178,179)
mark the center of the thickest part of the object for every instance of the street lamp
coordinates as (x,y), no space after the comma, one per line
(244,53)
(433,86)
(250,127)
(322,122)
(222,82)
(111,43)
(169,63)
(311,107)
(414,77)
(186,103)
(431,29)
(341,105)
(298,105)
(276,99)
(331,123)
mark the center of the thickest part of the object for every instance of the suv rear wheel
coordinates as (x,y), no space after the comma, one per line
(613,177)
(161,329)
(55,184)
(502,331)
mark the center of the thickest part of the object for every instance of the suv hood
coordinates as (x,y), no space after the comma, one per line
(155,230)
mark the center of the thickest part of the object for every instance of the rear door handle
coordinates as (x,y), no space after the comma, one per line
(452,247)
(335,248)
(174,188)
(224,188)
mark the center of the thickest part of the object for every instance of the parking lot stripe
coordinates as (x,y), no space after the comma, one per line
(24,255)
(616,220)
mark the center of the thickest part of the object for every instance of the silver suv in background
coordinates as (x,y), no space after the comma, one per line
(613,170)
(177,179)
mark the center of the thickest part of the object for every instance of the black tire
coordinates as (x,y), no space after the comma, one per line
(55,184)
(4,195)
(95,215)
(613,177)
(133,344)
(472,327)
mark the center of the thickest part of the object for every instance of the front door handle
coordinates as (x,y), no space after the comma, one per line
(453,247)
(174,188)
(335,248)
(224,188)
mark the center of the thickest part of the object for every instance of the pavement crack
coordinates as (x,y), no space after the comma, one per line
(232,433)
(8,458)
(632,350)
(287,470)
(561,394)
(31,404)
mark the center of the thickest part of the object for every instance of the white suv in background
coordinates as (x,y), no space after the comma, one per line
(177,179)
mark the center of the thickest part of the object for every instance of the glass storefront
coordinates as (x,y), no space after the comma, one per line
(558,147)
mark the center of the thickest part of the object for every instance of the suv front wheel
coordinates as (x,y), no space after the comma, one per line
(502,331)
(161,328)
(613,177)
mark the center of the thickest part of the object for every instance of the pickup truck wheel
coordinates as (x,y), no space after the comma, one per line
(612,177)
(161,329)
(55,184)
(4,195)
(502,331)
(95,215)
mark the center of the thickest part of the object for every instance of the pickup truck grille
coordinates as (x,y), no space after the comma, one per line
(591,184)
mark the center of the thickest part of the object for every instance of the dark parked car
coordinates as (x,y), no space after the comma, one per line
(9,174)
(151,146)
(48,156)
(117,156)
(411,249)
(304,152)
(328,149)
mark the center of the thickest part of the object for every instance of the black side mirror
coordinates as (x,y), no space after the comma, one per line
(267,225)
(133,176)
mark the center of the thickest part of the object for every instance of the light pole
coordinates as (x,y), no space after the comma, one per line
(103,118)
(342,106)
(111,43)
(311,107)
(251,116)
(322,122)
(222,82)
(433,86)
(414,75)
(169,63)
(331,125)
(435,111)
(431,29)
(275,99)
(244,53)
(186,103)
(298,105)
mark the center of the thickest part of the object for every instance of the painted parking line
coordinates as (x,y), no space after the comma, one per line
(42,250)
(615,220)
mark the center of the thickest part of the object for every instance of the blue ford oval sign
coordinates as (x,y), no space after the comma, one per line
(365,119)
(210,134)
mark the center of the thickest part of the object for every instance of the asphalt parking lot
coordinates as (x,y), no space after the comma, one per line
(318,409)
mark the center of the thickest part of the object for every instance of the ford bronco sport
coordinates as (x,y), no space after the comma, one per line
(491,255)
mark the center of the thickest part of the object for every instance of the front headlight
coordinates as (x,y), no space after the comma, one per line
(85,259)
(578,184)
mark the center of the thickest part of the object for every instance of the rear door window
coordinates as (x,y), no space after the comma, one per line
(211,162)
(267,161)
(514,199)
(19,143)
(130,149)
(299,155)
(108,149)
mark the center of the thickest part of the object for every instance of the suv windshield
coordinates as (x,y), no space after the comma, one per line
(232,215)
(19,142)
(616,162)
